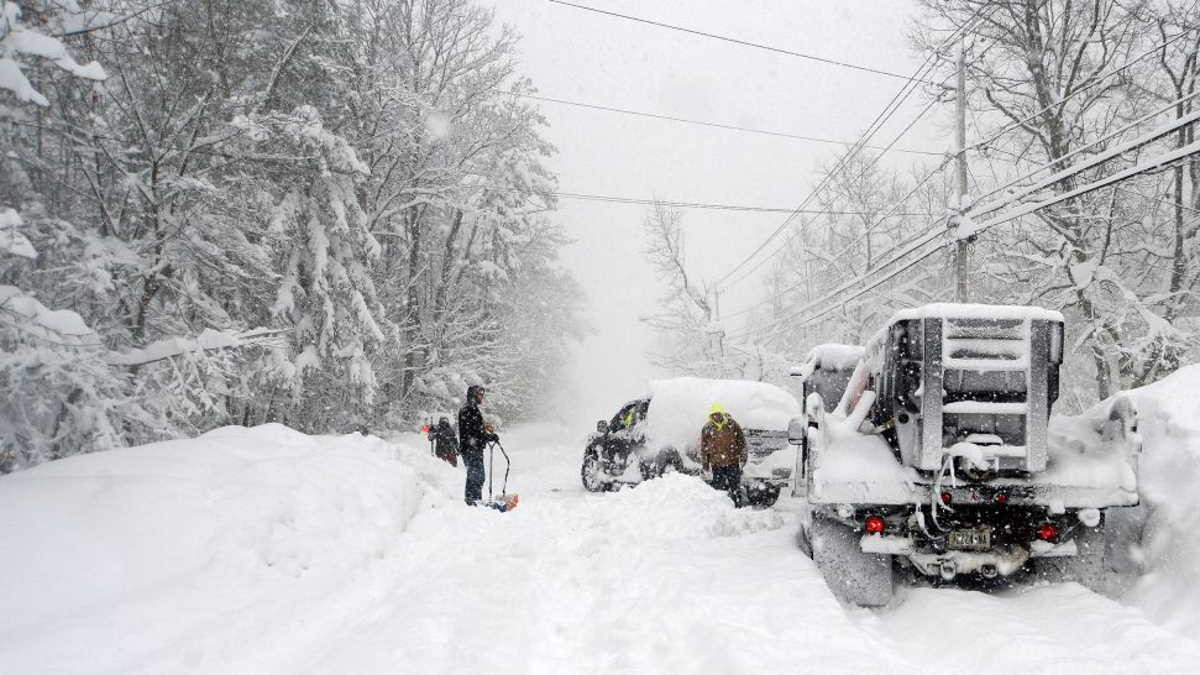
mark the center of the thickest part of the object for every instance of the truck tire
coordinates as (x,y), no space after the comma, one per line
(854,577)
(591,472)
(803,540)
(1089,569)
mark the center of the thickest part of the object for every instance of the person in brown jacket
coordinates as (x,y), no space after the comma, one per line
(723,452)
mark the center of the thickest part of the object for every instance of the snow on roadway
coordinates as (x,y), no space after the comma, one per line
(263,550)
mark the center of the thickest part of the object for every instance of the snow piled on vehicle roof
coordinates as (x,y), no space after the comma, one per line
(951,310)
(679,408)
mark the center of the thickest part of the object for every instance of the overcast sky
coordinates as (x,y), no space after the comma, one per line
(584,56)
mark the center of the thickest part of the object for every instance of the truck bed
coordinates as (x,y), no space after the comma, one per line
(864,469)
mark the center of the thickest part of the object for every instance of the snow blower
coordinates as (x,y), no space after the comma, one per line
(504,501)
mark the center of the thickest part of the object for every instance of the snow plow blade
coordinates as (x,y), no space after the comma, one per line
(504,503)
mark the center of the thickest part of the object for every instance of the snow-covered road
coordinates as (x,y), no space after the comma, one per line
(667,577)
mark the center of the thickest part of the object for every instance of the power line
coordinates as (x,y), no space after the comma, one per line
(904,249)
(1081,90)
(737,41)
(1149,166)
(890,212)
(1015,212)
(1089,163)
(931,235)
(873,285)
(828,177)
(582,196)
(1146,167)
(1113,134)
(637,201)
(884,115)
(715,125)
(812,319)
(1163,200)
(1098,79)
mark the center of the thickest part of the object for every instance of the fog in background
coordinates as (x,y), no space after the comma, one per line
(591,58)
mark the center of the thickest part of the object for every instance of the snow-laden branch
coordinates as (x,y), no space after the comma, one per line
(18,40)
(209,340)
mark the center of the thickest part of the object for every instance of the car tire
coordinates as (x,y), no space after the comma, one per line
(669,461)
(591,472)
(763,498)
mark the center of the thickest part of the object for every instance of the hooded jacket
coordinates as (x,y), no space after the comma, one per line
(723,445)
(471,434)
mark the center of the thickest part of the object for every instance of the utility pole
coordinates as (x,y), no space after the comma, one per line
(720,330)
(960,251)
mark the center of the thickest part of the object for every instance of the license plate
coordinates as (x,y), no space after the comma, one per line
(971,540)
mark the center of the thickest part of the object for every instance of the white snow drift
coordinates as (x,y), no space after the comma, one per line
(170,555)
(266,551)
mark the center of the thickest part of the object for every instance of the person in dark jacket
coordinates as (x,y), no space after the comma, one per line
(445,442)
(723,451)
(473,436)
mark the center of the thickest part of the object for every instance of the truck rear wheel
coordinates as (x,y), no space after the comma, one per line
(1089,568)
(863,579)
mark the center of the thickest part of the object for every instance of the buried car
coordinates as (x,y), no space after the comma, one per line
(660,432)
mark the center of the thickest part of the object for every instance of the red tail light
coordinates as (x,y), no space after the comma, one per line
(947,497)
(425,429)
(1001,499)
(1047,532)
(874,525)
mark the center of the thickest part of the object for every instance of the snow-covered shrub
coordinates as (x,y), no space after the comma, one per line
(60,396)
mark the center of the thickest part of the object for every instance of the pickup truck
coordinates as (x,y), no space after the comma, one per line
(940,458)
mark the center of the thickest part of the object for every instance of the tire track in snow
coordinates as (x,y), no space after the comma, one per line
(668,577)
(662,580)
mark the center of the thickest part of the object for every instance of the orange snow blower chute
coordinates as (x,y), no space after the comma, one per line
(503,502)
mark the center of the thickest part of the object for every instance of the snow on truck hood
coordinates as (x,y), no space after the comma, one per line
(679,408)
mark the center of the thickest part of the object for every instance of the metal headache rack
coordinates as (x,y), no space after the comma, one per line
(973,383)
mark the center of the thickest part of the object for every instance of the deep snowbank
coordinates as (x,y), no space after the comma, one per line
(266,551)
(1169,482)
(127,559)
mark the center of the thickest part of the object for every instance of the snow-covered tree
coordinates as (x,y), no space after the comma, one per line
(60,395)
(325,214)
(692,338)
(321,241)
(1060,77)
